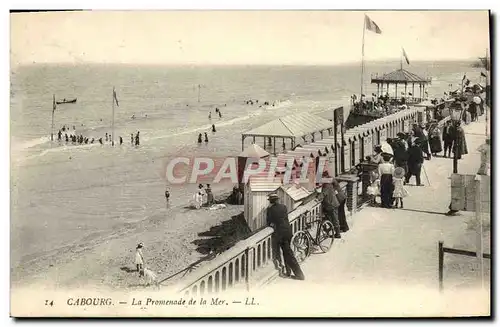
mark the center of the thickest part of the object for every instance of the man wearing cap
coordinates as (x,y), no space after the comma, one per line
(277,218)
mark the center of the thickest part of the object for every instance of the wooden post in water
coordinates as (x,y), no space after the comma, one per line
(53,110)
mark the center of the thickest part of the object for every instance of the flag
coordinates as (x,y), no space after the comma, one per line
(406,56)
(371,25)
(463,79)
(54,103)
(483,74)
(114,97)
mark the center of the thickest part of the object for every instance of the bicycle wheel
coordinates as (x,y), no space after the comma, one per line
(325,237)
(301,246)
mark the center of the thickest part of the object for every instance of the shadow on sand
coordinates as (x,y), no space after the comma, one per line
(128,270)
(221,237)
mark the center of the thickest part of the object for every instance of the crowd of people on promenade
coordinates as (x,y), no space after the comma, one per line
(65,134)
(402,158)
(379,105)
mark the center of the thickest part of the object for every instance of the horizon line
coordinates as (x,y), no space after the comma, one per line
(240,64)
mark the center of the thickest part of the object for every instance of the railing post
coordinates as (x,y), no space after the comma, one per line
(441,259)
(247,269)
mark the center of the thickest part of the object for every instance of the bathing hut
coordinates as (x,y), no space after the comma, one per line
(406,81)
(251,154)
(296,128)
(257,189)
(293,195)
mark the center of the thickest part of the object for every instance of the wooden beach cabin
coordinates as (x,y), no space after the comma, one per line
(406,80)
(251,154)
(293,195)
(257,189)
(297,128)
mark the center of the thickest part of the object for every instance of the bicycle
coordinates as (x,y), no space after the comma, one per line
(302,241)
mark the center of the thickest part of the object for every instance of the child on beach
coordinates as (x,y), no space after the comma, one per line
(399,190)
(139,259)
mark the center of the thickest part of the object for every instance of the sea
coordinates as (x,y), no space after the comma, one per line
(64,194)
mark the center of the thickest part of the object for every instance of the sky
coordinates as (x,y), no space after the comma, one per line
(244,37)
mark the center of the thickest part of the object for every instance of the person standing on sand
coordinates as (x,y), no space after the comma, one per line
(121,140)
(167,198)
(213,128)
(206,137)
(210,115)
(210,196)
(139,259)
(132,138)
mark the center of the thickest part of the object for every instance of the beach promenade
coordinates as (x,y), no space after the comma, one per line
(387,264)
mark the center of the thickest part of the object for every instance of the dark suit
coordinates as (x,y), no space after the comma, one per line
(448,138)
(277,217)
(415,161)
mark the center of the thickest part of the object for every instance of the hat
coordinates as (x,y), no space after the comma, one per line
(399,172)
(272,196)
(140,245)
(402,135)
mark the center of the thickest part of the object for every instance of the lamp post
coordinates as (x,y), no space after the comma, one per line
(456,115)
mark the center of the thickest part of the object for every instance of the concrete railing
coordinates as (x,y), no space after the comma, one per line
(248,263)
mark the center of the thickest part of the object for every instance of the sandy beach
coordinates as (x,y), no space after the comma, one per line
(169,247)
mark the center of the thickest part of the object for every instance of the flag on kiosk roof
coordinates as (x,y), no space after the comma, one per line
(406,56)
(371,25)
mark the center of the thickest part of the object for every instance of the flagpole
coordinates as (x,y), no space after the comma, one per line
(363,57)
(113,118)
(401,59)
(52,128)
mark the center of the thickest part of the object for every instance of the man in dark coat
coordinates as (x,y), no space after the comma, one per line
(415,161)
(400,153)
(448,138)
(330,206)
(277,218)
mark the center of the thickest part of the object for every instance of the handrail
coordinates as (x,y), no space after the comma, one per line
(240,248)
(226,256)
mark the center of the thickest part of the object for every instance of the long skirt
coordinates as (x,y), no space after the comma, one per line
(344,227)
(435,144)
(386,189)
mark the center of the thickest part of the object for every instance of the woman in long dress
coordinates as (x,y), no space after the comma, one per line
(435,141)
(386,171)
